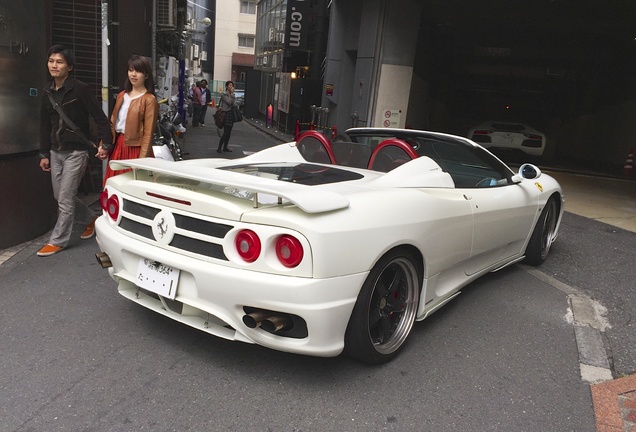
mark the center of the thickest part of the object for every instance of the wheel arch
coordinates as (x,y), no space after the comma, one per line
(361,333)
(558,197)
(545,231)
(417,255)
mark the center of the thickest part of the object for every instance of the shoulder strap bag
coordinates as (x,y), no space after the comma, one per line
(219,118)
(238,116)
(70,123)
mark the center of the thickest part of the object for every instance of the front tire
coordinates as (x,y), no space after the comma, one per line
(385,311)
(543,234)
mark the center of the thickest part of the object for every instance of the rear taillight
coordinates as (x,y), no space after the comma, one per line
(481,132)
(534,137)
(103,200)
(110,205)
(248,245)
(289,250)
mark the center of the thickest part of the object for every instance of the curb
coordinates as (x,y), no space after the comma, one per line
(269,130)
(589,320)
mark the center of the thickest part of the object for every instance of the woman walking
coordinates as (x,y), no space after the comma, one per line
(134,117)
(227,103)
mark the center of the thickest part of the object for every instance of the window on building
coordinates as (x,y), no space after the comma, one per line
(248,7)
(246,41)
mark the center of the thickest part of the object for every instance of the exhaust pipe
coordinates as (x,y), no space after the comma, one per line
(254,319)
(103,259)
(269,321)
(276,323)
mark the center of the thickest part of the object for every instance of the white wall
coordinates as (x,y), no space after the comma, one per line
(393,91)
(230,22)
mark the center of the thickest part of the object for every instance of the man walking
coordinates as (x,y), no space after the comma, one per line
(206,98)
(64,146)
(196,105)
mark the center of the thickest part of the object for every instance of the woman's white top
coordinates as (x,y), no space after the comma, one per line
(120,126)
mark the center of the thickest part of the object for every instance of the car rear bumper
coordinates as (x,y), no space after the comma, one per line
(529,146)
(212,297)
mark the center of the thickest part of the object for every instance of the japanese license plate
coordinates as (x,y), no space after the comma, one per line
(158,278)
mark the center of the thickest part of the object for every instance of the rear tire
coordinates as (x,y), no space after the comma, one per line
(543,234)
(385,311)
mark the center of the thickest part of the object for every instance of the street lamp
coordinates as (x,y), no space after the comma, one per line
(205,23)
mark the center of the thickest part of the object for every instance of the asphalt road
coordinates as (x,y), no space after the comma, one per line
(77,356)
(502,356)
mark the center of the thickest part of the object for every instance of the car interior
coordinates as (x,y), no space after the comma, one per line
(469,167)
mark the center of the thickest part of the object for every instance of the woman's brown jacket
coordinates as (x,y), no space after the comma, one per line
(141,121)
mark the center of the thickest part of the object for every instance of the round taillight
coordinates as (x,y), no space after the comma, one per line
(289,251)
(248,245)
(112,207)
(103,200)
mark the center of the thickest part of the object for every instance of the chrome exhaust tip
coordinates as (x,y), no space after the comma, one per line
(103,259)
(267,320)
(254,319)
(276,323)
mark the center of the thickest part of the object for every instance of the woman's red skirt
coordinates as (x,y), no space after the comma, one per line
(120,152)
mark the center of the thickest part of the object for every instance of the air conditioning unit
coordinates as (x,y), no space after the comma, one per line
(167,14)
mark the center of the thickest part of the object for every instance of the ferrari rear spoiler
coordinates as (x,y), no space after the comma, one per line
(310,199)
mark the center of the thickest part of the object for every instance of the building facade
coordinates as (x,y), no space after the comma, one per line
(234,40)
(291,43)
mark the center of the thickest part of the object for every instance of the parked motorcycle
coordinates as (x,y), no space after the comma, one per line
(170,132)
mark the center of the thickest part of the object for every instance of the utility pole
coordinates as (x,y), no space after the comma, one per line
(105,45)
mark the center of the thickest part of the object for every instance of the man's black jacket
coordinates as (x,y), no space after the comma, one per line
(78,104)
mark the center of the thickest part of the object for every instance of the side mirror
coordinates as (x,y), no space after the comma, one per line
(529,171)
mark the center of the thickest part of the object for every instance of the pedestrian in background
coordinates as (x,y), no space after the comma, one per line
(227,103)
(190,96)
(196,104)
(134,116)
(64,148)
(206,98)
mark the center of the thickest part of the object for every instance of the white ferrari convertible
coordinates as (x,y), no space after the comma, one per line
(318,247)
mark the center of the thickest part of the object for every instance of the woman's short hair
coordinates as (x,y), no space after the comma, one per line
(141,64)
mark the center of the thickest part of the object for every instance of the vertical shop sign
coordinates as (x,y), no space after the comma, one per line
(296,25)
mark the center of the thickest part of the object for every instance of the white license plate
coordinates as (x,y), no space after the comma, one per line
(158,278)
